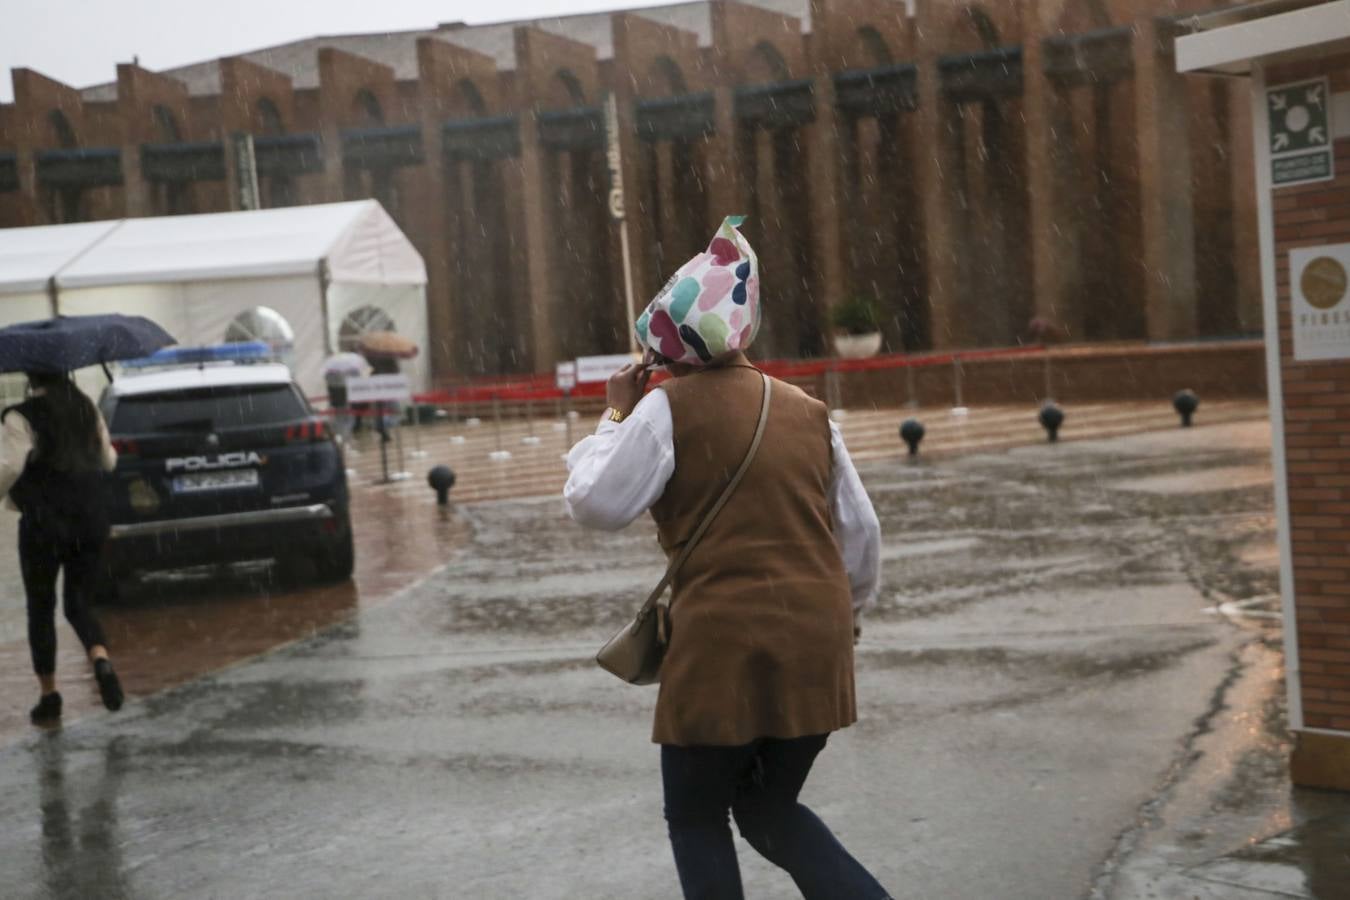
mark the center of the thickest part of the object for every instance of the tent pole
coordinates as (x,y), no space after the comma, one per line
(323,304)
(52,295)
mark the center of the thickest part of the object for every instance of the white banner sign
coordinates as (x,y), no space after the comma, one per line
(1320,306)
(591,369)
(379,389)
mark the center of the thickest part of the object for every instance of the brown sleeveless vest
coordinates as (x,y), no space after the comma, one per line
(761,619)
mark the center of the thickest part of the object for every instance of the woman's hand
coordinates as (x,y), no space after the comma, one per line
(625,388)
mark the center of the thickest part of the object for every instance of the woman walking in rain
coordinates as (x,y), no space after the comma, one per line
(54,448)
(758,670)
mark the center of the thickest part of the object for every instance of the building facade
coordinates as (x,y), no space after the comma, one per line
(987,173)
(1292,58)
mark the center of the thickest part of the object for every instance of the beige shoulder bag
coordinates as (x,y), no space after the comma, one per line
(636,651)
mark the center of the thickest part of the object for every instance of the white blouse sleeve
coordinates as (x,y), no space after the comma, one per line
(616,474)
(856,528)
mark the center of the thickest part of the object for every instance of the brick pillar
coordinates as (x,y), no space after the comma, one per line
(641,229)
(779,332)
(432,225)
(332,181)
(32,211)
(537,195)
(232,173)
(1052,171)
(137,199)
(830,279)
(1165,185)
(466,315)
(724,172)
(665,202)
(938,168)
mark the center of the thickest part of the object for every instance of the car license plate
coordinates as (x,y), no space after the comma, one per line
(215,481)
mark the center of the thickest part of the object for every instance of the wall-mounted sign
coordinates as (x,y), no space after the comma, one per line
(1300,133)
(1319,281)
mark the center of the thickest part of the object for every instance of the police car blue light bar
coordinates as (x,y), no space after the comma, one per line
(237,351)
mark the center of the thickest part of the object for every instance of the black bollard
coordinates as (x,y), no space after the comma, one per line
(1051,417)
(911,432)
(1186,403)
(441,479)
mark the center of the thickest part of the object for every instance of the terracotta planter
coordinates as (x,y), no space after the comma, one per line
(857,346)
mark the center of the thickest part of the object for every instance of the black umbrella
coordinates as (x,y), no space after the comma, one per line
(67,343)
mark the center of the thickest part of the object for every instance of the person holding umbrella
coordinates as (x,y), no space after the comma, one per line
(54,449)
(336,370)
(384,349)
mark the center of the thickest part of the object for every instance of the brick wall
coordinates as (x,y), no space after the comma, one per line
(1317,440)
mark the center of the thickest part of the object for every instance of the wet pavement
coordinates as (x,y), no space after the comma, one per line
(1068,690)
(174,626)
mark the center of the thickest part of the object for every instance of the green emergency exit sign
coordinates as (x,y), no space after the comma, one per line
(1300,133)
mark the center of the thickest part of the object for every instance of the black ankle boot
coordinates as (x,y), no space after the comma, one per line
(48,709)
(109,688)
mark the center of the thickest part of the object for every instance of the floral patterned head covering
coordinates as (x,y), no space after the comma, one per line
(710,307)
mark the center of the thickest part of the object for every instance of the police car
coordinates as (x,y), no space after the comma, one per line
(221,459)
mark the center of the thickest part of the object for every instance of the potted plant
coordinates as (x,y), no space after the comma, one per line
(857,334)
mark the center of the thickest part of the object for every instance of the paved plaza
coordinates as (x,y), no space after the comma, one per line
(1071,688)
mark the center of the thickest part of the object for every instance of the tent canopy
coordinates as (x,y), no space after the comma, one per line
(358,241)
(29,257)
(316,275)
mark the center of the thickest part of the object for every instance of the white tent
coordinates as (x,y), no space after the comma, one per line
(317,275)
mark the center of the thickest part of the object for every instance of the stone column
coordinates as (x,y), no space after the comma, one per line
(1165,185)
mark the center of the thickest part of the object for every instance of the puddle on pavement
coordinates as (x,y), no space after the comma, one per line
(174,626)
(928,548)
(1205,481)
(1311,861)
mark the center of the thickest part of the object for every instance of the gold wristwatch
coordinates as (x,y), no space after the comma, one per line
(615,415)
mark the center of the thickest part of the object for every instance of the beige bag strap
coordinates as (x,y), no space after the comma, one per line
(711,514)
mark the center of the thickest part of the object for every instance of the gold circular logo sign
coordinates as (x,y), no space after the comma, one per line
(1324,282)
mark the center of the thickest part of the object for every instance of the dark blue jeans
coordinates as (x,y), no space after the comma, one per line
(759,783)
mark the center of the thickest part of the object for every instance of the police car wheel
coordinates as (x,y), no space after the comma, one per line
(336,561)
